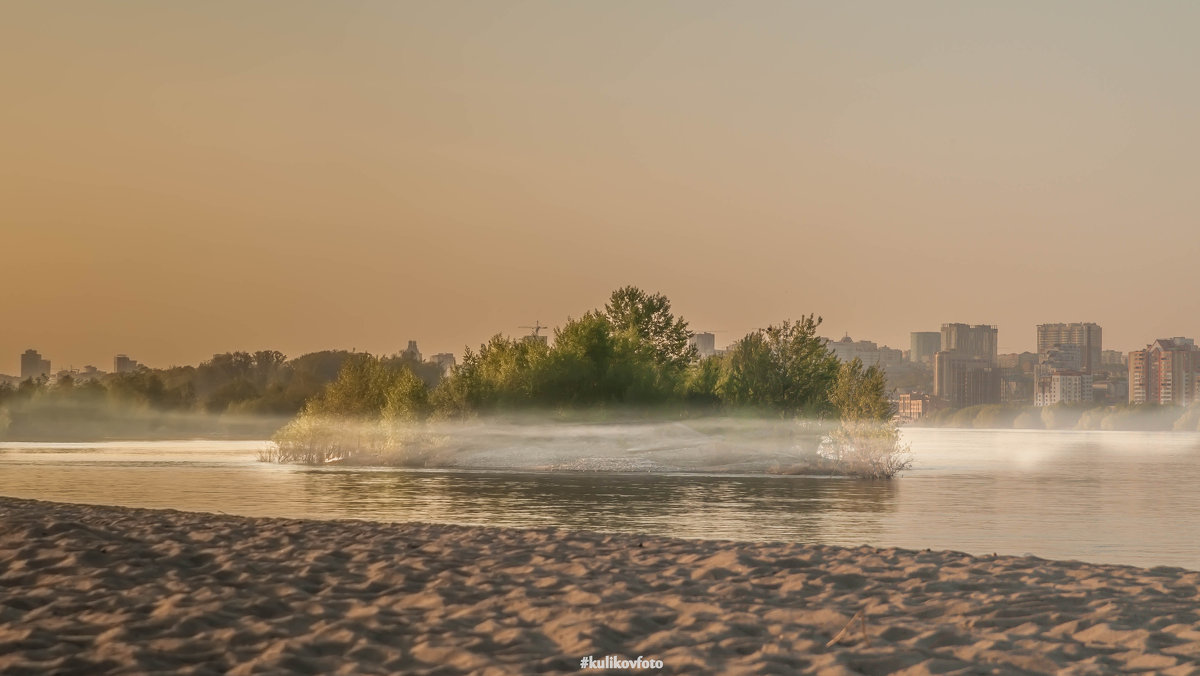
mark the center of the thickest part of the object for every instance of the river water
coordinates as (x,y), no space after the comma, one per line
(1111,497)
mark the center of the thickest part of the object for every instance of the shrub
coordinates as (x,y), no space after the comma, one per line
(867,443)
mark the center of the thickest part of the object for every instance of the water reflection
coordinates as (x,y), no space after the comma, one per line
(1118,497)
(734,507)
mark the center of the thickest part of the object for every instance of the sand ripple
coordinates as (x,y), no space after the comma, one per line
(102,589)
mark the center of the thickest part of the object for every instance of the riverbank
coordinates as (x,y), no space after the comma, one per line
(88,589)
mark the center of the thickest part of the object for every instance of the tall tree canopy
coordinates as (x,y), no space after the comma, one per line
(647,318)
(787,368)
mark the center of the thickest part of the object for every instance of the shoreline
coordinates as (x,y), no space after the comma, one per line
(89,589)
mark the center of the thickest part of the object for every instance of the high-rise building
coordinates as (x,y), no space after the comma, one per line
(1165,372)
(705,344)
(979,342)
(961,380)
(1069,357)
(33,366)
(123,364)
(923,345)
(1063,387)
(1086,336)
(965,371)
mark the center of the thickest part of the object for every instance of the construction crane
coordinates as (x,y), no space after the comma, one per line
(537,327)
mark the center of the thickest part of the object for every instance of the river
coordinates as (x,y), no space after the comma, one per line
(1109,497)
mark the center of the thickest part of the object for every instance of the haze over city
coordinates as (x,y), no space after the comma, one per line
(183,179)
(423,336)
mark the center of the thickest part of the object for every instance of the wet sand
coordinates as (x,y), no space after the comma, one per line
(89,589)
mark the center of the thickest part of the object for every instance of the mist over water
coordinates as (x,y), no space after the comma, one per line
(1113,497)
(740,445)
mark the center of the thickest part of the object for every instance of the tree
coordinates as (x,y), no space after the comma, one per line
(648,320)
(867,442)
(579,368)
(860,394)
(369,388)
(704,380)
(787,368)
(234,392)
(502,374)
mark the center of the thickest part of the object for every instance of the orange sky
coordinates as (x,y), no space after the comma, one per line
(178,179)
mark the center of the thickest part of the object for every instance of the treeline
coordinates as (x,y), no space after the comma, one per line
(232,394)
(632,355)
(632,358)
(1130,417)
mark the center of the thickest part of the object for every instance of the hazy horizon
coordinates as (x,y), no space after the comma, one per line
(190,178)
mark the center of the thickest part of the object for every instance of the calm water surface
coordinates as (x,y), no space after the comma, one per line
(1113,497)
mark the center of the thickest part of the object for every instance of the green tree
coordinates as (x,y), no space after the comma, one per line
(239,391)
(579,368)
(704,381)
(368,388)
(860,394)
(867,441)
(502,374)
(146,388)
(786,368)
(647,318)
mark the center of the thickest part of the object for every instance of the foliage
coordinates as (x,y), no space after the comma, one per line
(861,394)
(370,388)
(502,374)
(785,368)
(704,381)
(633,352)
(249,392)
(867,442)
(645,322)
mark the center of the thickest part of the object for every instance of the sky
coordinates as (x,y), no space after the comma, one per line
(181,179)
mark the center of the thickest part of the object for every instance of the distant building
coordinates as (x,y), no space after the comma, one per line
(1165,372)
(923,345)
(89,372)
(1016,387)
(1023,362)
(123,364)
(979,342)
(445,360)
(961,380)
(1110,390)
(1112,358)
(1063,387)
(411,352)
(912,406)
(1084,336)
(705,344)
(33,366)
(869,353)
(1061,358)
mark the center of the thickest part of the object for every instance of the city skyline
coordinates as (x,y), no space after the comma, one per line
(339,176)
(410,345)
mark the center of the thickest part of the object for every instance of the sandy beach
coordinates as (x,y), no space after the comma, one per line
(90,589)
